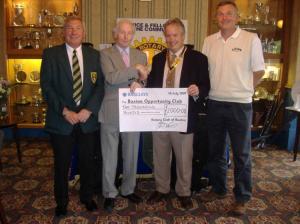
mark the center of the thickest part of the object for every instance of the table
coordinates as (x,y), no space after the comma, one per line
(296,146)
(15,131)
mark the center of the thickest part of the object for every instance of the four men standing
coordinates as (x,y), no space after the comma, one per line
(71,80)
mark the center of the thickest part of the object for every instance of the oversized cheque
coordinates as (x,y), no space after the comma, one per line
(153,109)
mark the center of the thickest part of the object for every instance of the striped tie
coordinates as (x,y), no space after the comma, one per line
(170,81)
(77,83)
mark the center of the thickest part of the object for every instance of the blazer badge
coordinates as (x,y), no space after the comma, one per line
(93,77)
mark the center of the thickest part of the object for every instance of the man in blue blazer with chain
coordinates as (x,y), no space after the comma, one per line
(188,69)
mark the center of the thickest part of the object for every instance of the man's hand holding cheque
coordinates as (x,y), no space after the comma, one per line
(193,90)
(143,75)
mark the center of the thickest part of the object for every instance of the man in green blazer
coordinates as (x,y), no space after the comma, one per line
(72,86)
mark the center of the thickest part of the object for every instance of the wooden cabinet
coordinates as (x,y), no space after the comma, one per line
(270,20)
(31,26)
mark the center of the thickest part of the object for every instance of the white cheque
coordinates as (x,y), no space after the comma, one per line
(153,109)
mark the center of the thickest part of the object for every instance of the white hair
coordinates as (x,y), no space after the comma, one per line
(116,29)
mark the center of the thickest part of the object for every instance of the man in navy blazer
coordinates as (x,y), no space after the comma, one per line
(191,72)
(71,121)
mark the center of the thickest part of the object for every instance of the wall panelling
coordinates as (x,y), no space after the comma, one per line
(105,12)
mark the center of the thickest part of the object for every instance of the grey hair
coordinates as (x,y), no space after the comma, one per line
(118,25)
(232,3)
(72,18)
(175,21)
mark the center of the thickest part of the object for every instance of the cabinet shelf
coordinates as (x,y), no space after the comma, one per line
(25,83)
(35,27)
(26,39)
(30,125)
(268,80)
(265,28)
(273,56)
(25,53)
(29,103)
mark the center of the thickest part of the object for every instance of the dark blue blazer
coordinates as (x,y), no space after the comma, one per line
(194,71)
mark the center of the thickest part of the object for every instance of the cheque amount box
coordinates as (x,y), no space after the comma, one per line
(175,110)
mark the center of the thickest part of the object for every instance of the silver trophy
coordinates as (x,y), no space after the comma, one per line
(267,11)
(19,19)
(76,9)
(35,37)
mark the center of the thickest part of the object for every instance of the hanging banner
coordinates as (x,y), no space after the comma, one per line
(149,36)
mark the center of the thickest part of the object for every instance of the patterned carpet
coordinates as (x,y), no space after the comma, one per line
(27,194)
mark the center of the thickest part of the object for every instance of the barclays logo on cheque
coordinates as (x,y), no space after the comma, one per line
(135,94)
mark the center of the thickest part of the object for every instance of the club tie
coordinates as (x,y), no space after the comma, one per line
(125,57)
(171,74)
(77,83)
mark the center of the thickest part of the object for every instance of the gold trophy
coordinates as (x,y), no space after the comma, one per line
(258,11)
(19,19)
(36,118)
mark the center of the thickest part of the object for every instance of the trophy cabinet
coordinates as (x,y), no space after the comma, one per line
(31,26)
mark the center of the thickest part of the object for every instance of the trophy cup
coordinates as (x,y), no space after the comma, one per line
(49,34)
(21,116)
(19,19)
(267,11)
(76,9)
(22,101)
(36,115)
(18,42)
(17,67)
(43,17)
(35,36)
(36,118)
(27,40)
(258,10)
(35,101)
(3,111)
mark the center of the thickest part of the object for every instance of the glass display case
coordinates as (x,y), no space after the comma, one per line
(31,26)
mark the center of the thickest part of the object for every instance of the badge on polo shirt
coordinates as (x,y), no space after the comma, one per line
(236,49)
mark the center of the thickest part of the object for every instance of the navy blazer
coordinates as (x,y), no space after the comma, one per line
(194,71)
(57,88)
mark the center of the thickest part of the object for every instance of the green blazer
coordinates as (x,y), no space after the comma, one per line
(57,88)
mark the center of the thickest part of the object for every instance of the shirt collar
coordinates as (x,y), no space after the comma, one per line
(123,49)
(234,35)
(71,49)
(179,51)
